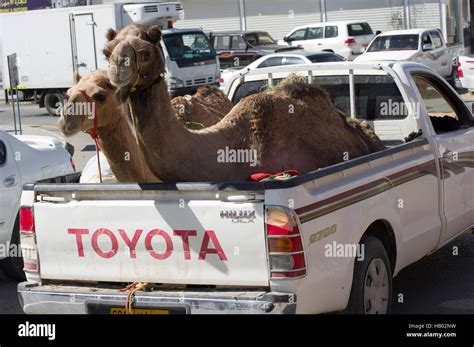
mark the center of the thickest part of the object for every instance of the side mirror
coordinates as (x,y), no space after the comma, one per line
(428,47)
(285,39)
(378,32)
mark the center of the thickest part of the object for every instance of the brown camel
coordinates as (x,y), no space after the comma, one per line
(293,127)
(115,134)
(204,109)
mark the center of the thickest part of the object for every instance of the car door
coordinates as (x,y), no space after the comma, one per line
(454,135)
(315,39)
(429,57)
(331,38)
(440,54)
(297,37)
(10,188)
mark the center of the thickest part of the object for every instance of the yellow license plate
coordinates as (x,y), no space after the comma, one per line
(117,310)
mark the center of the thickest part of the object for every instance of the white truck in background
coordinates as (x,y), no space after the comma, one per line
(69,40)
(329,240)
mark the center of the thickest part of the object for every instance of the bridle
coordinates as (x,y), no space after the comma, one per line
(142,75)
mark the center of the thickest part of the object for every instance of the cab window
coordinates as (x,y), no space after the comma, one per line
(331,32)
(238,42)
(222,42)
(315,33)
(437,41)
(446,112)
(3,153)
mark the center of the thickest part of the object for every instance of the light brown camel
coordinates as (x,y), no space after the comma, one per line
(293,127)
(115,135)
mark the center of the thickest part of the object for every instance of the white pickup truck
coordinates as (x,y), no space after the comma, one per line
(329,240)
(425,46)
(24,159)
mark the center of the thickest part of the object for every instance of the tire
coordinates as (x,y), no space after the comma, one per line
(13,266)
(375,264)
(52,99)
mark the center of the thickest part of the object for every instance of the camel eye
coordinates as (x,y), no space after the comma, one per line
(145,55)
(99,97)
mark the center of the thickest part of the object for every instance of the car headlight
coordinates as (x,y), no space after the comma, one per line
(175,83)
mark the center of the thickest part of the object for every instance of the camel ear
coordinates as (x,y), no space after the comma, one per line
(111,34)
(155,34)
(77,77)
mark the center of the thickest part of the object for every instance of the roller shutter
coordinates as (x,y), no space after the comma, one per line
(279,17)
(425,14)
(210,15)
(382,15)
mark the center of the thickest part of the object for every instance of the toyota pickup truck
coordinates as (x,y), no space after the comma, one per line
(326,241)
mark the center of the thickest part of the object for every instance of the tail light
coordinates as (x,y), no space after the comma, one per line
(460,72)
(221,80)
(350,42)
(29,249)
(170,24)
(285,246)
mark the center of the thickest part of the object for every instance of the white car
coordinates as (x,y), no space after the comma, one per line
(279,59)
(425,46)
(24,159)
(465,66)
(349,38)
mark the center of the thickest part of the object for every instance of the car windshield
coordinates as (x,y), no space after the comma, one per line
(394,43)
(325,58)
(192,46)
(257,39)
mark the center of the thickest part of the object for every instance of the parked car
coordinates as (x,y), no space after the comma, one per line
(269,247)
(425,46)
(238,49)
(24,159)
(278,59)
(348,38)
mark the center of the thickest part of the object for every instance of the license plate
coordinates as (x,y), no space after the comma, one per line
(121,310)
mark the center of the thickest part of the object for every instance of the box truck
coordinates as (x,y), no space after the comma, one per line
(53,45)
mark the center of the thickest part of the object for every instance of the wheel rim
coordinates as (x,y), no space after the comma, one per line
(376,289)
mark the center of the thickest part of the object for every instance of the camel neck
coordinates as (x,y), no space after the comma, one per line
(119,145)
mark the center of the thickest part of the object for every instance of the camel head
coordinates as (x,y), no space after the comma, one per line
(92,96)
(135,60)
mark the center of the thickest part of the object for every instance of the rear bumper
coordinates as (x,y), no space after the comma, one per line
(65,299)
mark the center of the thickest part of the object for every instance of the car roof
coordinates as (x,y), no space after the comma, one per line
(300,53)
(177,30)
(416,31)
(237,32)
(345,22)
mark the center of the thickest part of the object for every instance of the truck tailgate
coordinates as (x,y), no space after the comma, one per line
(204,242)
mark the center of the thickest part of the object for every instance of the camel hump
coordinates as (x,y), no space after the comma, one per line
(298,88)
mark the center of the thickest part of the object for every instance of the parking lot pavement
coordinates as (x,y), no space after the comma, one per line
(8,299)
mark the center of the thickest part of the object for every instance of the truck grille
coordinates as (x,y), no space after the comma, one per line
(151,8)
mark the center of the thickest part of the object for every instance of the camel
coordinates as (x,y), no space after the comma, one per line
(126,165)
(295,126)
(115,134)
(204,109)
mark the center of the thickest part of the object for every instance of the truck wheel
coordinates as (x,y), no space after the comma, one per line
(371,291)
(53,100)
(13,266)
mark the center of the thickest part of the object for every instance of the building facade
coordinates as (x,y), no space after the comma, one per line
(278,17)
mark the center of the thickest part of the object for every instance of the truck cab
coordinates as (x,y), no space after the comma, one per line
(191,61)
